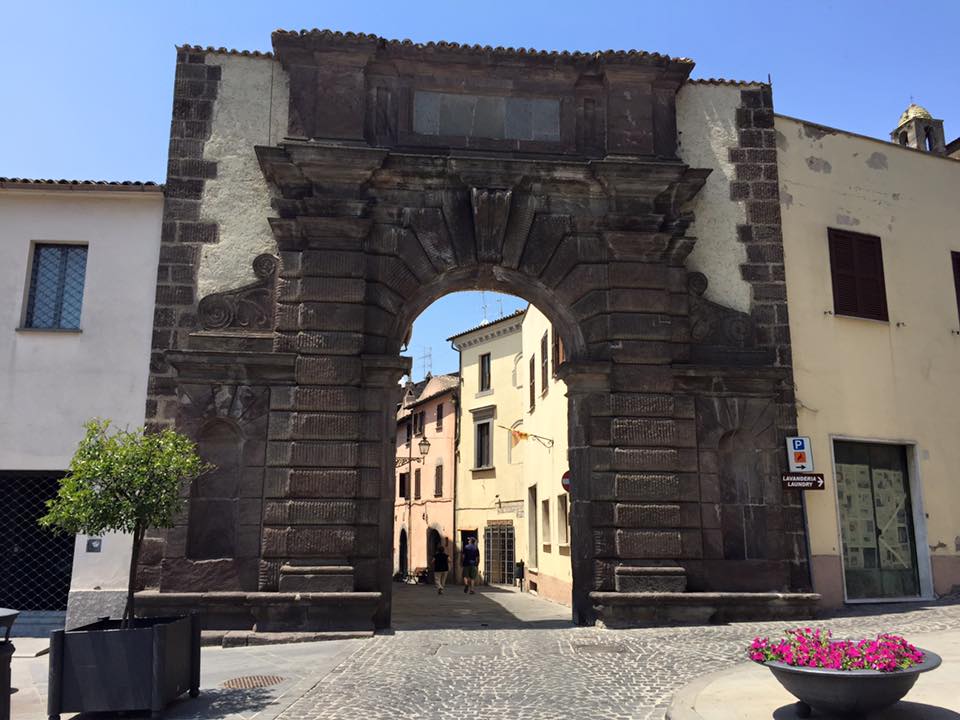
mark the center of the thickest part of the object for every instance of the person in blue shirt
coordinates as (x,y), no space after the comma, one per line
(471,564)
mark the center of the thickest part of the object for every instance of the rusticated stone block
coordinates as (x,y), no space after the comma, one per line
(333,399)
(329,343)
(370,481)
(326,483)
(647,516)
(637,404)
(647,486)
(654,459)
(328,371)
(327,426)
(310,512)
(308,542)
(325,454)
(279,453)
(332,263)
(643,431)
(691,542)
(367,543)
(648,544)
(331,316)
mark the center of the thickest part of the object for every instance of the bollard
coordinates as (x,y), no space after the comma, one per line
(6,653)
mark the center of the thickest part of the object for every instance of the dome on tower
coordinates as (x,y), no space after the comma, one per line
(914,111)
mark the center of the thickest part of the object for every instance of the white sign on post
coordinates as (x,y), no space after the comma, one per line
(800,454)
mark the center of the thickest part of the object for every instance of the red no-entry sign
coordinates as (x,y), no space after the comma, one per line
(565,481)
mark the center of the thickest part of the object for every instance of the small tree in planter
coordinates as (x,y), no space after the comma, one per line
(127,481)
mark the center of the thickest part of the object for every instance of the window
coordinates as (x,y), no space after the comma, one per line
(484,449)
(418,423)
(563,520)
(856,266)
(56,287)
(556,350)
(928,138)
(440,417)
(955,258)
(533,382)
(408,429)
(402,489)
(438,481)
(903,138)
(545,523)
(416,484)
(544,364)
(484,372)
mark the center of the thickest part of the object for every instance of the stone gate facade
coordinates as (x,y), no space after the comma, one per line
(405,172)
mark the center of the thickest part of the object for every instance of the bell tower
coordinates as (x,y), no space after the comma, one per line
(919,130)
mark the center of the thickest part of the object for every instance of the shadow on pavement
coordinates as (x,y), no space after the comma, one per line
(212,703)
(419,607)
(903,710)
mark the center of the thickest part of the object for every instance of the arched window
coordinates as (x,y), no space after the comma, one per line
(903,138)
(928,139)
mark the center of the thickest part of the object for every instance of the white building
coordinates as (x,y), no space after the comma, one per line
(77,282)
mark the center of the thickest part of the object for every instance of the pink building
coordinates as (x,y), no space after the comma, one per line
(426,441)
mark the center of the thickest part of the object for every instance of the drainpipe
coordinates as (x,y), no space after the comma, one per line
(454,555)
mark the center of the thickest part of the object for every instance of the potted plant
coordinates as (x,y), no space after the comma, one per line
(842,676)
(127,481)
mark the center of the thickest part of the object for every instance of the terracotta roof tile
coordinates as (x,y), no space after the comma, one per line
(490,323)
(224,51)
(724,81)
(85,184)
(610,55)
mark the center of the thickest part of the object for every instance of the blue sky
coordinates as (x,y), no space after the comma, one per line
(86,88)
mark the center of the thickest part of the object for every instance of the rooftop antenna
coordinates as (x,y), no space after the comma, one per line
(426,360)
(483,307)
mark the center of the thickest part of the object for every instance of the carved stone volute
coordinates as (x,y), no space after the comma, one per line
(247,308)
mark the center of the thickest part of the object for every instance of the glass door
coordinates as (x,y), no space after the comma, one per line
(876,520)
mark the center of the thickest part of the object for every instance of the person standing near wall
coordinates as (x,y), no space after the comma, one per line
(471,565)
(441,565)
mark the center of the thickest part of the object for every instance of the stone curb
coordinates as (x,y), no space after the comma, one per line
(685,699)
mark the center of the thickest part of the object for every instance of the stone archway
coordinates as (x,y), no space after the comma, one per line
(413,171)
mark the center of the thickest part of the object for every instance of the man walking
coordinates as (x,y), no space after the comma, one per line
(471,563)
(441,564)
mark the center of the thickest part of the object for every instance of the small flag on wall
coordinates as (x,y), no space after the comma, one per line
(518,435)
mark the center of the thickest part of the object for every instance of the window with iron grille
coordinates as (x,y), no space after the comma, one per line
(533,382)
(484,372)
(499,555)
(544,365)
(440,416)
(438,481)
(856,268)
(35,563)
(56,287)
(416,484)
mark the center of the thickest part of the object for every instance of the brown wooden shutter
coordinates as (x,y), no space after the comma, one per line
(856,267)
(533,381)
(955,257)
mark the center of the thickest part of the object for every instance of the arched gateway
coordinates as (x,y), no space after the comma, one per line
(406,172)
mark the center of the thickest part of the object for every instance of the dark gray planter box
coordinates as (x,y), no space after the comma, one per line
(101,667)
(849,692)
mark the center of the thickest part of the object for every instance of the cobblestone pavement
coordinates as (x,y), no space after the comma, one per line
(546,668)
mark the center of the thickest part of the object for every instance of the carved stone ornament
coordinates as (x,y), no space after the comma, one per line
(714,324)
(247,308)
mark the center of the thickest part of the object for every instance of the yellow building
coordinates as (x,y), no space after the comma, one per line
(489,496)
(872,255)
(544,442)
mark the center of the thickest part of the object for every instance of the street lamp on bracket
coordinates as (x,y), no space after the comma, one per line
(423,446)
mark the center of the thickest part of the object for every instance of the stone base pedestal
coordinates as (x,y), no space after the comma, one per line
(639,609)
(267,611)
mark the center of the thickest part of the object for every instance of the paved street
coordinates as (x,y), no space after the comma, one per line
(496,654)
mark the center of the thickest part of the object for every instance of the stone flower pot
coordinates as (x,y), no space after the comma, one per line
(848,692)
(102,667)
